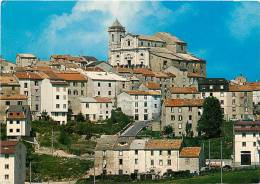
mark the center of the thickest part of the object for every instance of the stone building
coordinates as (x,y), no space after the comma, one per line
(30,83)
(9,85)
(6,66)
(180,113)
(24,60)
(141,105)
(157,52)
(77,88)
(17,121)
(7,100)
(183,93)
(97,108)
(123,155)
(12,162)
(246,143)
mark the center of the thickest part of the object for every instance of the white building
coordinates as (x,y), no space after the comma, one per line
(12,162)
(142,105)
(246,143)
(105,84)
(97,108)
(24,60)
(121,155)
(54,99)
(17,121)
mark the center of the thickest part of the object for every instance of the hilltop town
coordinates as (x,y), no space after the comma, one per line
(145,114)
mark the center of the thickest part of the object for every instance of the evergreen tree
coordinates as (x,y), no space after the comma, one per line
(168,130)
(210,122)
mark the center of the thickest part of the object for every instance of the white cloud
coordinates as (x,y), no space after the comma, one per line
(84,30)
(244,19)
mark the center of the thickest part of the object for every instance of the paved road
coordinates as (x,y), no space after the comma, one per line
(134,129)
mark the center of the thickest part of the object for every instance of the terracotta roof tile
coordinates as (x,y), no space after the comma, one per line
(195,75)
(183,102)
(123,70)
(190,152)
(13,97)
(71,76)
(238,88)
(103,99)
(8,80)
(143,71)
(96,69)
(139,92)
(184,90)
(28,75)
(152,85)
(16,115)
(7,147)
(164,144)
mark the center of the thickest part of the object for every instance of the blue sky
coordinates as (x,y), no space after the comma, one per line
(225,34)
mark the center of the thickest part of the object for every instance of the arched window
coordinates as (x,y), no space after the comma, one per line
(69,92)
(128,42)
(75,92)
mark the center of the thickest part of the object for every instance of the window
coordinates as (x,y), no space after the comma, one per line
(160,152)
(82,92)
(136,152)
(98,84)
(221,94)
(233,94)
(160,162)
(136,97)
(57,106)
(172,117)
(180,117)
(17,130)
(254,144)
(136,110)
(17,122)
(57,89)
(7,103)
(7,177)
(190,117)
(120,171)
(179,110)
(87,105)
(64,106)
(145,110)
(128,42)
(109,84)
(25,85)
(187,161)
(11,122)
(120,161)
(169,152)
(145,104)
(98,93)
(190,109)
(243,134)
(6,166)
(172,109)
(11,130)
(6,156)
(210,87)
(64,97)
(26,93)
(222,102)
(145,97)
(120,153)
(152,162)
(109,93)
(244,144)
(221,87)
(69,92)
(180,126)
(155,105)
(113,37)
(254,134)
(75,92)
(233,101)
(151,152)
(57,96)
(74,83)
(169,162)
(136,161)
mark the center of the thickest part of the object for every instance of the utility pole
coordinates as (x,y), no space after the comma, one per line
(52,141)
(209,153)
(221,172)
(30,172)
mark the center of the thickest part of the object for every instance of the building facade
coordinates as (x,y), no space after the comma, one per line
(12,162)
(24,60)
(141,105)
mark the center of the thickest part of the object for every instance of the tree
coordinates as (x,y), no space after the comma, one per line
(188,128)
(210,122)
(80,117)
(168,130)
(64,137)
(69,114)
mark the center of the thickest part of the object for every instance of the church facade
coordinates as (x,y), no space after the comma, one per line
(157,52)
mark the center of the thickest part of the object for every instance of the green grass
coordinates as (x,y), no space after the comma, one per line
(243,176)
(227,142)
(149,133)
(46,168)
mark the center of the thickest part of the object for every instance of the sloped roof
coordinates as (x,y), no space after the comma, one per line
(106,142)
(8,147)
(167,37)
(26,55)
(123,70)
(190,152)
(139,92)
(28,75)
(240,88)
(150,38)
(164,144)
(116,23)
(72,76)
(184,90)
(143,71)
(152,85)
(8,80)
(195,75)
(183,102)
(13,97)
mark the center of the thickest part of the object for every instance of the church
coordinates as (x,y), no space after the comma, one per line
(157,52)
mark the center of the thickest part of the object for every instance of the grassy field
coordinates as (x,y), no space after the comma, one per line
(46,168)
(243,176)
